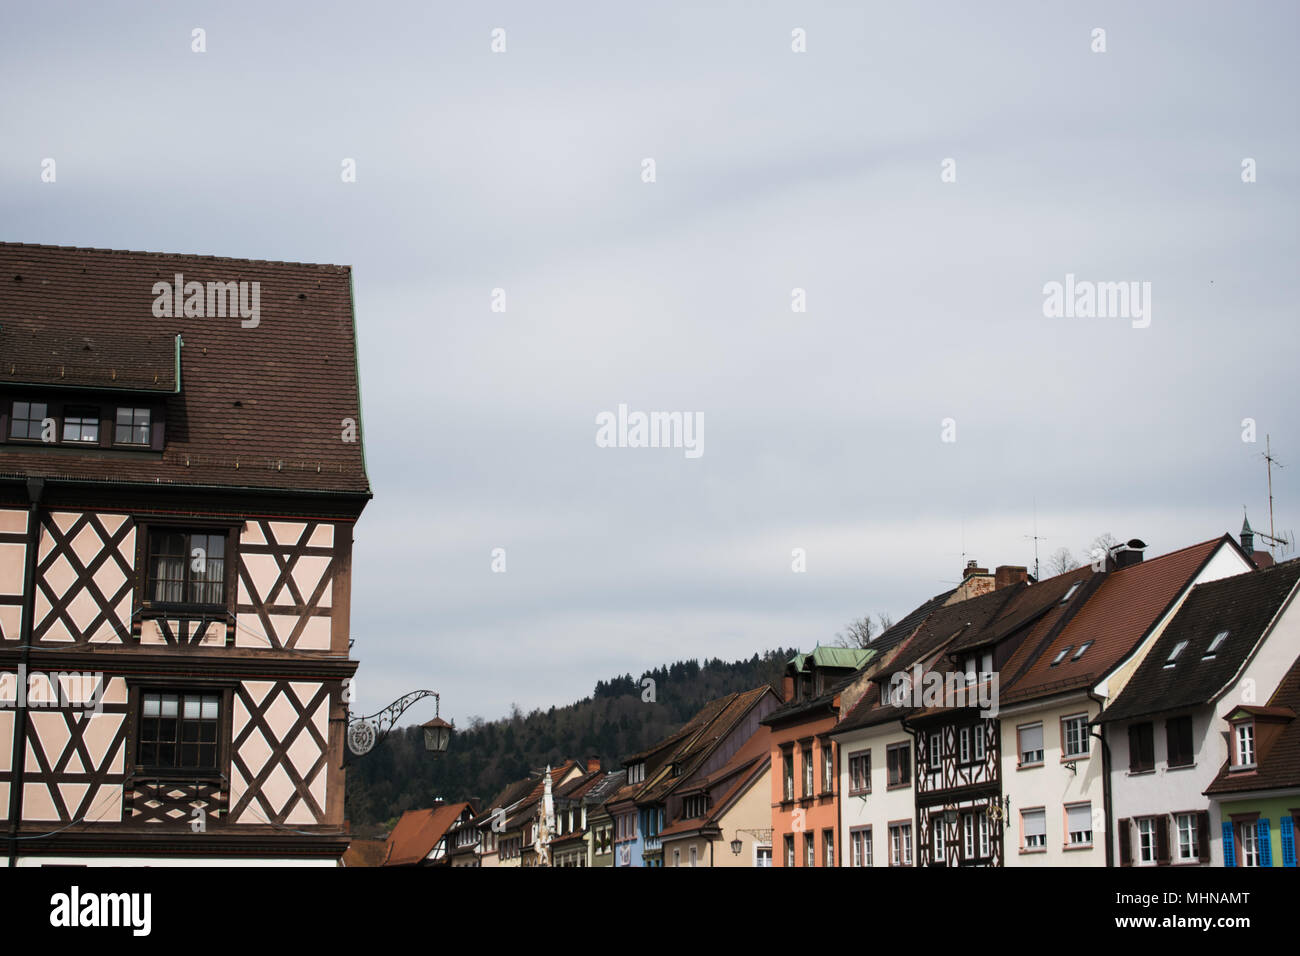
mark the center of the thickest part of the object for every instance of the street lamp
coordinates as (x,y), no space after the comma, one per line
(437,735)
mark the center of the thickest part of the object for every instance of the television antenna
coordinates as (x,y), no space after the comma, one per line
(1274,540)
(1037,538)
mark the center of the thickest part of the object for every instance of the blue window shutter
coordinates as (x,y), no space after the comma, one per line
(1229,853)
(1288,842)
(1265,845)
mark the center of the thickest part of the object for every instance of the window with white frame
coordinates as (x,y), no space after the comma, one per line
(809,849)
(1033,827)
(1078,823)
(1074,735)
(695,855)
(937,824)
(808,772)
(828,845)
(935,763)
(1189,849)
(1146,827)
(763,856)
(978,743)
(968,836)
(677,857)
(984,834)
(860,847)
(1031,743)
(789,850)
(1248,841)
(900,844)
(1245,738)
(828,767)
(787,769)
(963,744)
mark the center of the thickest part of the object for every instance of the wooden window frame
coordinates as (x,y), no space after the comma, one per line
(145,528)
(903,764)
(862,757)
(136,689)
(1134,731)
(1190,756)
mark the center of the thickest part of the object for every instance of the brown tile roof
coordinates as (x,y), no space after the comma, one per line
(726,783)
(258,407)
(1115,617)
(365,853)
(696,748)
(1278,765)
(418,832)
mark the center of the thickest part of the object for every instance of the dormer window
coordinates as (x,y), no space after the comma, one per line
(1173,655)
(1215,645)
(636,773)
(27,420)
(1244,738)
(81,424)
(132,427)
(1061,656)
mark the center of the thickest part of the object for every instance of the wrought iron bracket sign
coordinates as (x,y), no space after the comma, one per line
(364,732)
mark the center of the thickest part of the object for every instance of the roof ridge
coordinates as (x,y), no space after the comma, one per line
(171,255)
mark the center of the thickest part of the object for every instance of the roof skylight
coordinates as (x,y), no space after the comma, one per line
(1215,645)
(1173,655)
(1061,656)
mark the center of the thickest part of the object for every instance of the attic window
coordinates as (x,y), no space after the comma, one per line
(1215,645)
(1082,647)
(131,427)
(1173,655)
(1061,656)
(1070,593)
(81,424)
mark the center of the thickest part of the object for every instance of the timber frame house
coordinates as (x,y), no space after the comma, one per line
(177,501)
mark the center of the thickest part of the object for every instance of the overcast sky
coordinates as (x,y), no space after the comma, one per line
(774,170)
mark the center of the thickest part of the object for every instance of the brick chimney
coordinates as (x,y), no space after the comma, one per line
(593,763)
(972,568)
(1006,575)
(787,688)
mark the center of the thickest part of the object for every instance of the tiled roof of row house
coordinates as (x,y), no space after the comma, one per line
(1114,618)
(1240,608)
(750,761)
(696,748)
(526,808)
(1278,757)
(510,795)
(245,407)
(966,625)
(418,832)
(901,630)
(605,789)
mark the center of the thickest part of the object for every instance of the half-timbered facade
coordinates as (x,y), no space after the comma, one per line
(180,474)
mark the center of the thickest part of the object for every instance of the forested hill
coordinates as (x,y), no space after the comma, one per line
(484,756)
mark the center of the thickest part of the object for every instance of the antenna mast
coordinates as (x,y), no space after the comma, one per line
(1273,540)
(1037,576)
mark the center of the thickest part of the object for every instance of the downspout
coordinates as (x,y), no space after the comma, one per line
(1105,780)
(35,489)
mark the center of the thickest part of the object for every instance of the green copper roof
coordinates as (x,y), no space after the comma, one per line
(850,658)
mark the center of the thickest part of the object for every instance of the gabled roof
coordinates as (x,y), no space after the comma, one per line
(252,408)
(1242,606)
(727,783)
(419,831)
(1116,616)
(898,632)
(696,748)
(1279,760)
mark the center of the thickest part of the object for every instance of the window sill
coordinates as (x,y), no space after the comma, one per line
(859,793)
(1029,766)
(1072,847)
(1031,851)
(1244,768)
(1172,768)
(1075,758)
(899,786)
(1140,773)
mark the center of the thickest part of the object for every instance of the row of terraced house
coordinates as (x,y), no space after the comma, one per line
(1132,712)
